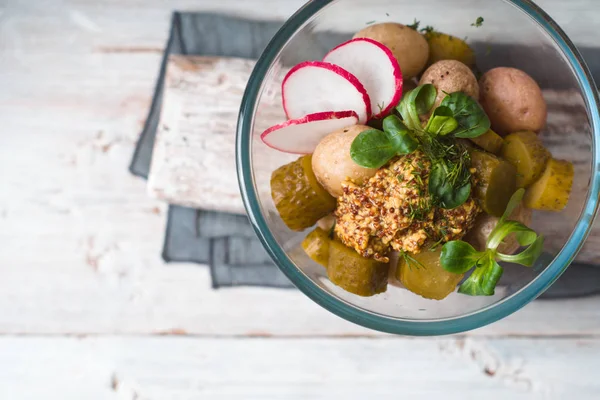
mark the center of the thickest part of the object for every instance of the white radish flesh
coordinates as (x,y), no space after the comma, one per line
(302,135)
(314,86)
(375,67)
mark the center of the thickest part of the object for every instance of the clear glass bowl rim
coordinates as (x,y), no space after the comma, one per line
(381,322)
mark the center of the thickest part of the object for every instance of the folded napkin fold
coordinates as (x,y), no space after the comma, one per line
(226,242)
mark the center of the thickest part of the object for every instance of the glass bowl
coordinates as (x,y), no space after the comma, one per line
(533,43)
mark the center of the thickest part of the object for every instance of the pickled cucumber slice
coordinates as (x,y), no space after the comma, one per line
(526,152)
(300,200)
(316,246)
(496,181)
(422,274)
(354,273)
(551,192)
(489,141)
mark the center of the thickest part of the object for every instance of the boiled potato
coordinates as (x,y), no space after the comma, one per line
(489,141)
(526,152)
(450,76)
(327,222)
(355,273)
(331,160)
(512,100)
(496,181)
(408,46)
(551,192)
(300,200)
(485,223)
(447,47)
(316,246)
(425,276)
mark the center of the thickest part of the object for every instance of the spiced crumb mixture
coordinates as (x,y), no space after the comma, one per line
(394,211)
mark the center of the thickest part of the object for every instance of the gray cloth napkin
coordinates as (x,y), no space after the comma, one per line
(227,242)
(224,241)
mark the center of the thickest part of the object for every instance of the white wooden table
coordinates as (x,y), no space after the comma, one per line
(89,311)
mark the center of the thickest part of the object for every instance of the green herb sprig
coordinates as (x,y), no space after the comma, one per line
(458,116)
(414,25)
(374,148)
(417,102)
(448,192)
(459,257)
(478,22)
(472,120)
(409,260)
(441,122)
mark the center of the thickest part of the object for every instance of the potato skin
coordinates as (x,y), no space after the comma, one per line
(451,76)
(408,46)
(512,100)
(484,224)
(332,164)
(327,222)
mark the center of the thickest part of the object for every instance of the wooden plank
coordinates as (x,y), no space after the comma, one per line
(193,163)
(122,294)
(179,368)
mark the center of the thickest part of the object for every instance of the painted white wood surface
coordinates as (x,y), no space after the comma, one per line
(81,239)
(138,368)
(80,246)
(193,163)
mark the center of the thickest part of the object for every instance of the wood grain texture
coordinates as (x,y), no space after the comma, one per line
(80,238)
(180,368)
(193,163)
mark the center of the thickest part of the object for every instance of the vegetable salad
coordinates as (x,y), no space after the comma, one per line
(434,188)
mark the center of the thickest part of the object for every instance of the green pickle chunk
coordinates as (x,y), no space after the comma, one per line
(422,274)
(489,141)
(316,246)
(496,181)
(300,200)
(354,273)
(526,152)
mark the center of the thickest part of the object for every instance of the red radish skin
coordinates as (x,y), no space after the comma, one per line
(301,136)
(315,86)
(375,67)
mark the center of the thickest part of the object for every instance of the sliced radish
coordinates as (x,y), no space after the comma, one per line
(302,135)
(375,67)
(315,86)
